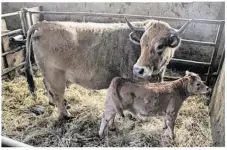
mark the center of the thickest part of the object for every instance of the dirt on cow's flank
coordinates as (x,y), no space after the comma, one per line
(192,125)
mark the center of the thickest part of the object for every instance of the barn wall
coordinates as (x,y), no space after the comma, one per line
(217,110)
(199,10)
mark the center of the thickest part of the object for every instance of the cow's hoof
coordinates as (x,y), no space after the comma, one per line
(112,128)
(38,110)
(131,117)
(68,117)
(65,117)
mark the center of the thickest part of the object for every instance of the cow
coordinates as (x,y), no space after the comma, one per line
(150,99)
(92,54)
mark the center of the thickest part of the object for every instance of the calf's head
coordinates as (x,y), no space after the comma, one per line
(158,41)
(195,84)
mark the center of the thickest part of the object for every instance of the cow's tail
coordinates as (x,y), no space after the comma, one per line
(116,97)
(28,66)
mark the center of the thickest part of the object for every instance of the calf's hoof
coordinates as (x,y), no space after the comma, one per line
(101,135)
(164,127)
(168,134)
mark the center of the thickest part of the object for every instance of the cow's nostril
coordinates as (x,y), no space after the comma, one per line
(155,68)
(141,71)
(207,89)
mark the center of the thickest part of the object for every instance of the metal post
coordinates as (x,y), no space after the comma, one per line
(6,65)
(7,142)
(29,18)
(25,20)
(215,52)
(22,22)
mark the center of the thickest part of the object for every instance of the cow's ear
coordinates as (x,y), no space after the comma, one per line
(173,41)
(135,37)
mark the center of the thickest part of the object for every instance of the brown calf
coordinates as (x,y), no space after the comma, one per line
(144,100)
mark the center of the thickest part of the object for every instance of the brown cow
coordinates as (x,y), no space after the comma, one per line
(92,54)
(145,100)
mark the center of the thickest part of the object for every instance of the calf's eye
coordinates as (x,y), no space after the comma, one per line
(198,84)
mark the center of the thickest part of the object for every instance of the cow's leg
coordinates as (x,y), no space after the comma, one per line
(56,81)
(106,117)
(49,93)
(161,75)
(170,120)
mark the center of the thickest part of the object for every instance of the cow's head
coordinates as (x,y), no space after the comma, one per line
(158,41)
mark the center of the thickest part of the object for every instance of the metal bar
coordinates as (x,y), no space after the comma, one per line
(189,62)
(22,22)
(197,42)
(169,78)
(10,14)
(4,58)
(7,142)
(24,17)
(215,52)
(220,64)
(5,71)
(30,16)
(29,19)
(12,32)
(13,51)
(127,15)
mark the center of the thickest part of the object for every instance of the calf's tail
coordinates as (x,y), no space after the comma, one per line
(116,97)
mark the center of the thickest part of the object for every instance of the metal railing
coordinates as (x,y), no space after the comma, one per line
(23,30)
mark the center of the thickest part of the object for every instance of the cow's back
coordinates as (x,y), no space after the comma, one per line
(88,52)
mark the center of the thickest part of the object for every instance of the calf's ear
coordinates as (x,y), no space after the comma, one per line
(187,73)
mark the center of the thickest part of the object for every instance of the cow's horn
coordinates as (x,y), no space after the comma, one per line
(182,29)
(133,28)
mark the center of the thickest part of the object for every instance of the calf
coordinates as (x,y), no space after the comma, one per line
(150,99)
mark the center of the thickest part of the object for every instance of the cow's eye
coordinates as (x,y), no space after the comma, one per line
(197,84)
(161,46)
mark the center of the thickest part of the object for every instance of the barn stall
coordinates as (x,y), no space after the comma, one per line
(20,122)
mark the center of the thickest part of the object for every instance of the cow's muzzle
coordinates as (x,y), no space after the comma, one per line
(142,71)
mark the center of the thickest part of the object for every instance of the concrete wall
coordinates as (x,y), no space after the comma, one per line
(217,110)
(198,10)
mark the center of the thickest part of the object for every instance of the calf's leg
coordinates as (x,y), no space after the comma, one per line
(164,123)
(111,123)
(106,117)
(170,120)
